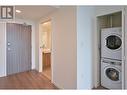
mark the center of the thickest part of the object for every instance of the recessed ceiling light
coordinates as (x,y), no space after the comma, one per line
(18,11)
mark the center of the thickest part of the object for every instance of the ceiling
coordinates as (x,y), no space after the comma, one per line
(34,12)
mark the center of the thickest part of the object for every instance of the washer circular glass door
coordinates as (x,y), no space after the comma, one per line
(112,73)
(113,42)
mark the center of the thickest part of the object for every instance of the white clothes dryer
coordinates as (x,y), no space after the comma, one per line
(111,42)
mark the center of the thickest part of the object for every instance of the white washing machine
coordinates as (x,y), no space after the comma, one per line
(111,74)
(111,42)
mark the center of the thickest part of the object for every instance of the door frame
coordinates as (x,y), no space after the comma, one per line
(33,46)
(123,48)
(40,50)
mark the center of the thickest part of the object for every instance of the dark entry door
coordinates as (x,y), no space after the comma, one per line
(18,48)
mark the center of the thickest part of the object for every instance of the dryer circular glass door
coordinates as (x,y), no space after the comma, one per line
(113,42)
(112,73)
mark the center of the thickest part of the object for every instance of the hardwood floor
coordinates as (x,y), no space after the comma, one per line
(47,72)
(26,80)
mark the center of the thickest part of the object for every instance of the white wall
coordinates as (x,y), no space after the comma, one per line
(64,48)
(84,46)
(3,44)
(2,49)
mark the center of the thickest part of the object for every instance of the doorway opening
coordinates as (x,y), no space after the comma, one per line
(45,45)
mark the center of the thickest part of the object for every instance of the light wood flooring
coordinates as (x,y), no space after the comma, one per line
(47,72)
(26,80)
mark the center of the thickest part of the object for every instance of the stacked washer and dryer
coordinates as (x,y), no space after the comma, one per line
(111,56)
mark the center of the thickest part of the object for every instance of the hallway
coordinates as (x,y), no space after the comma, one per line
(26,80)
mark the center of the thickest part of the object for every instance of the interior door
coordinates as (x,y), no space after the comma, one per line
(18,48)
